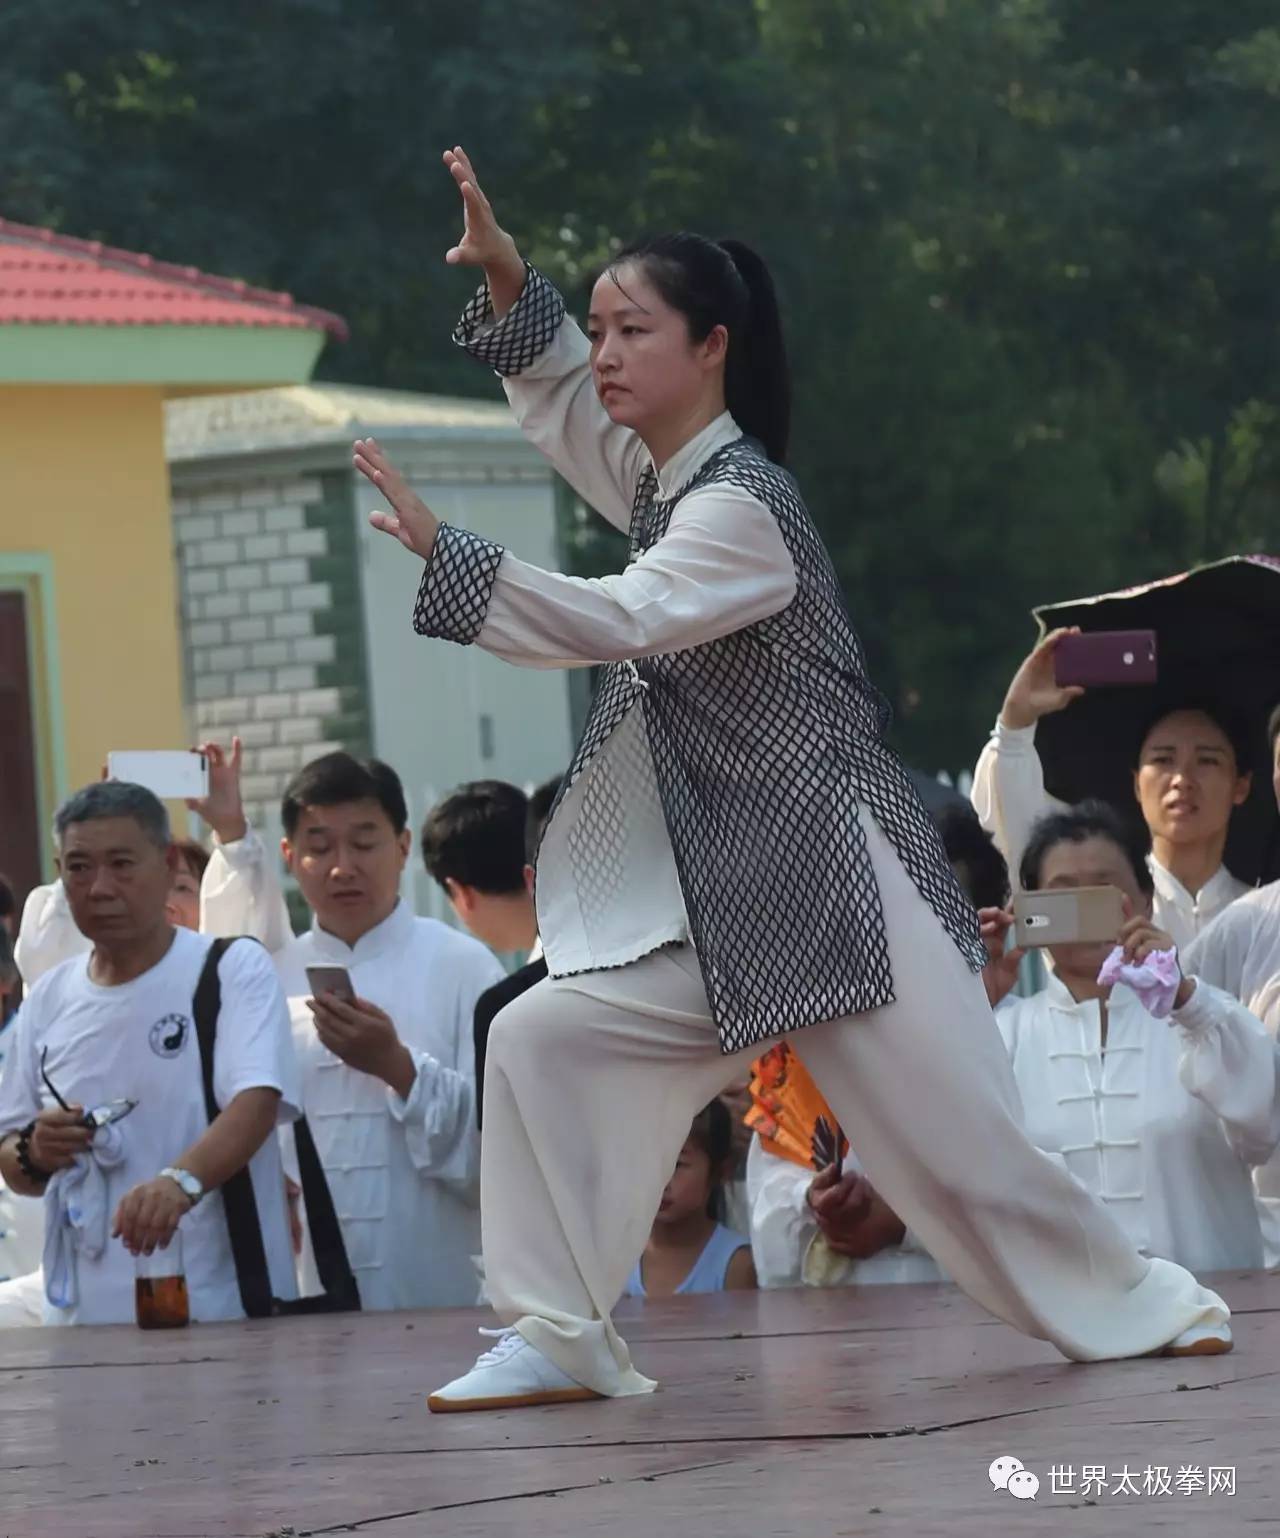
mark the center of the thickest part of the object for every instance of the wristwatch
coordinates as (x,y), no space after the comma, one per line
(186,1182)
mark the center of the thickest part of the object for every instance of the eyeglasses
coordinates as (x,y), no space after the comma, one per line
(101,1115)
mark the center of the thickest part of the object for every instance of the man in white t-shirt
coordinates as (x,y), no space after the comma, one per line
(115,1025)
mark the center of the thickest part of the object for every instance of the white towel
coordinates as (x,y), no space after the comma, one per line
(77,1216)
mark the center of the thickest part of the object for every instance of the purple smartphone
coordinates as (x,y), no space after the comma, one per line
(1105,658)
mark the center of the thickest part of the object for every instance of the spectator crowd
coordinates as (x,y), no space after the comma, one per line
(305,1110)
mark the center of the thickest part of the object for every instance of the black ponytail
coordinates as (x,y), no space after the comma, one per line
(727,284)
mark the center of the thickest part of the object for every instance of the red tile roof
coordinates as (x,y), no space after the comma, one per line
(47,279)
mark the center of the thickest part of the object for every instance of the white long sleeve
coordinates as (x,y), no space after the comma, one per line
(1008,791)
(1229,1062)
(782,1222)
(47,935)
(241,894)
(721,565)
(438,1120)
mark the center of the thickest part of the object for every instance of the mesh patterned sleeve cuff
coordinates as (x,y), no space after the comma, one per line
(454,595)
(522,335)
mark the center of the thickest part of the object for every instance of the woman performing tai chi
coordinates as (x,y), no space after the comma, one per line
(735,852)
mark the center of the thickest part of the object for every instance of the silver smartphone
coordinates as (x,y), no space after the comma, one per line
(173,776)
(334,980)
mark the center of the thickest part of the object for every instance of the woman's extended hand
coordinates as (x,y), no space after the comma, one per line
(410,520)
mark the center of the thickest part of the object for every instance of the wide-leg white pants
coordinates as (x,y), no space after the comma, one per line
(592,1082)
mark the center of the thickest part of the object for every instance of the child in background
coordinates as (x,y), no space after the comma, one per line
(690,1249)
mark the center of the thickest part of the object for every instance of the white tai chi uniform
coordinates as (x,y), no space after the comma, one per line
(1009,797)
(594,1075)
(403,1173)
(1165,1124)
(1240,952)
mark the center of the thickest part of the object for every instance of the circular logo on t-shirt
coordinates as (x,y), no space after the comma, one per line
(169,1035)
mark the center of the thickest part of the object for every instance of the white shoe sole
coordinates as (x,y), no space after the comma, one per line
(438,1404)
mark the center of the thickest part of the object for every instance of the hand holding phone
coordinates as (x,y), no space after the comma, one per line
(1068,916)
(1034,690)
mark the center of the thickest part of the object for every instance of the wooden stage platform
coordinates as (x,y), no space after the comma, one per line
(779,1413)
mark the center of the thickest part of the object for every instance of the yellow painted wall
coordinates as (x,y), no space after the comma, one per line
(83,478)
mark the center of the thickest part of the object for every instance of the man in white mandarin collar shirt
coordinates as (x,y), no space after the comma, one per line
(388,1077)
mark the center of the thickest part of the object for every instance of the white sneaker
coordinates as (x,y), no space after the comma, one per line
(1201,1340)
(511,1374)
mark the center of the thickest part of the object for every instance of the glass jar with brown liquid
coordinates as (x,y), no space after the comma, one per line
(160,1289)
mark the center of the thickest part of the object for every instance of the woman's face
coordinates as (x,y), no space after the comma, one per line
(1094,861)
(646,369)
(689,1189)
(183,906)
(1187,781)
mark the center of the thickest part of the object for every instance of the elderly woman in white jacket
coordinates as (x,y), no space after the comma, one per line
(1163,1120)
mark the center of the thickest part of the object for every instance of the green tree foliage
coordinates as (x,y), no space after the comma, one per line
(1027,250)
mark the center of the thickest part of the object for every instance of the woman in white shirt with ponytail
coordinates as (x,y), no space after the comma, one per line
(736,852)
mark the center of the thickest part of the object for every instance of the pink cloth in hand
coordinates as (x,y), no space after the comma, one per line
(1155,981)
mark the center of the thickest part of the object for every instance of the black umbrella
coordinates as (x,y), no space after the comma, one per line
(1218,636)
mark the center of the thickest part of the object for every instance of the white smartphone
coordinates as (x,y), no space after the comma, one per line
(173,776)
(335,980)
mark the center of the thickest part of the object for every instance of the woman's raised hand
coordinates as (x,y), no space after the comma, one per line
(1035,690)
(484,242)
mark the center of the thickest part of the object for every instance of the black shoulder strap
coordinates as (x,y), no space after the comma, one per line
(238,1200)
(240,1204)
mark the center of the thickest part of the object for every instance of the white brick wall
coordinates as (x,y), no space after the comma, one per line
(288,573)
(281,520)
(231,524)
(264,547)
(270,600)
(215,501)
(316,648)
(291,626)
(212,552)
(268,707)
(210,686)
(260,789)
(311,595)
(296,678)
(253,656)
(223,606)
(300,729)
(198,526)
(324,702)
(254,681)
(307,542)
